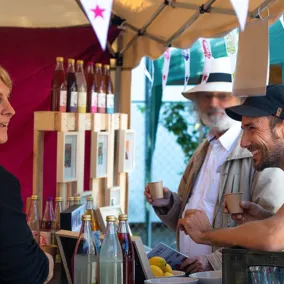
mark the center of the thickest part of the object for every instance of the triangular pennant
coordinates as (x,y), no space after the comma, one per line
(241,9)
(146,73)
(99,13)
(186,57)
(282,20)
(166,67)
(231,41)
(205,44)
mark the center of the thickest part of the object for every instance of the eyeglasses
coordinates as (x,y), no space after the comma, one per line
(221,97)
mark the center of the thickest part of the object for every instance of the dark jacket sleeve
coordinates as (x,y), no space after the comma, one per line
(21,259)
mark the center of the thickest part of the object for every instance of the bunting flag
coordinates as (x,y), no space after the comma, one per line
(282,20)
(231,41)
(146,73)
(186,58)
(241,9)
(166,67)
(205,44)
(99,13)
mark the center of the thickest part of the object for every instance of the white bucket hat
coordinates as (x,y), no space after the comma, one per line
(219,80)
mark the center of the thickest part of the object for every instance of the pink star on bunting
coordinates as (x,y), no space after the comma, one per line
(164,77)
(205,77)
(98,12)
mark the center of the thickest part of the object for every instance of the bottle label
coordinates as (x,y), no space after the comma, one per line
(74,99)
(102,102)
(94,273)
(110,103)
(94,102)
(45,238)
(82,102)
(62,101)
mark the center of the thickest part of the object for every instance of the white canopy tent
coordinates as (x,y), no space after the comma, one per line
(149,26)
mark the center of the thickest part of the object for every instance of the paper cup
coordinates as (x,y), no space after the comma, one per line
(156,189)
(233,202)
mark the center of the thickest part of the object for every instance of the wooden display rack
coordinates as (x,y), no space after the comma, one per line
(80,122)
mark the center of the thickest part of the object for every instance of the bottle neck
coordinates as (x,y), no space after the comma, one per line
(59,66)
(80,68)
(70,203)
(123,227)
(48,210)
(71,68)
(34,210)
(86,237)
(58,208)
(110,228)
(99,70)
(107,72)
(90,69)
(89,205)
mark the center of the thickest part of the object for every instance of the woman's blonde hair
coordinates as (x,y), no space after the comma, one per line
(5,78)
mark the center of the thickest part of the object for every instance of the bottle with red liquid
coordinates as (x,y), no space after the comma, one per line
(72,92)
(92,96)
(101,89)
(46,223)
(33,218)
(127,250)
(59,87)
(109,90)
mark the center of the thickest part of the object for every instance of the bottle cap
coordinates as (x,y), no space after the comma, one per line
(50,199)
(77,198)
(111,218)
(107,67)
(90,198)
(98,64)
(70,198)
(58,199)
(71,60)
(86,217)
(59,59)
(80,62)
(122,217)
(34,197)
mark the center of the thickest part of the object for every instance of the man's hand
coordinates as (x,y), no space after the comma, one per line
(196,264)
(252,212)
(162,202)
(194,224)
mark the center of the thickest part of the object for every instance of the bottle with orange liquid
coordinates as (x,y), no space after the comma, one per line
(92,97)
(58,88)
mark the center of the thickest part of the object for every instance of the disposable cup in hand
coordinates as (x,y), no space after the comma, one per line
(233,202)
(156,189)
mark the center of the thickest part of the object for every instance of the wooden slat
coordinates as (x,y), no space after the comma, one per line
(38,165)
(44,120)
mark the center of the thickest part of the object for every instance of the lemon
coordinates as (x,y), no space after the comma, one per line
(168,269)
(158,261)
(157,271)
(168,274)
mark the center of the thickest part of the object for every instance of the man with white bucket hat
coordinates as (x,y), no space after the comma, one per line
(218,166)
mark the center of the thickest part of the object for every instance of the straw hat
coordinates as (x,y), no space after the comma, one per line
(219,80)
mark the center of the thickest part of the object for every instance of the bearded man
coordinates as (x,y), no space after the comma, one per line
(218,166)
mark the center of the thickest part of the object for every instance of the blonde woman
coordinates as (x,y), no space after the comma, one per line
(21,259)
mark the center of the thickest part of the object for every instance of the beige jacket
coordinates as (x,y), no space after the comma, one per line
(237,175)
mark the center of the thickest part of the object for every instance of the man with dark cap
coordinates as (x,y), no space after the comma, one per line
(263,135)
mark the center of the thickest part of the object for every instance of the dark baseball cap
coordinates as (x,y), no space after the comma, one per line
(270,104)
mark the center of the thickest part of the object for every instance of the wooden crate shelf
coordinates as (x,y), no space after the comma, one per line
(79,122)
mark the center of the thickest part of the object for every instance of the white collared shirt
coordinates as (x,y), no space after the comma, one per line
(206,187)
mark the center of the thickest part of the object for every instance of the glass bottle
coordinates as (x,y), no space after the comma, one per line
(82,87)
(70,201)
(101,89)
(109,90)
(111,261)
(46,223)
(85,258)
(92,96)
(58,210)
(72,94)
(77,200)
(90,210)
(127,250)
(33,218)
(59,88)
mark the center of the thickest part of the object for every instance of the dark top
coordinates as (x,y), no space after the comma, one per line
(21,259)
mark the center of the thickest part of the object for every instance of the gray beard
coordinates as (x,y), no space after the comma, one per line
(216,123)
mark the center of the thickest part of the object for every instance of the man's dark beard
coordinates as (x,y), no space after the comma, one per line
(270,158)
